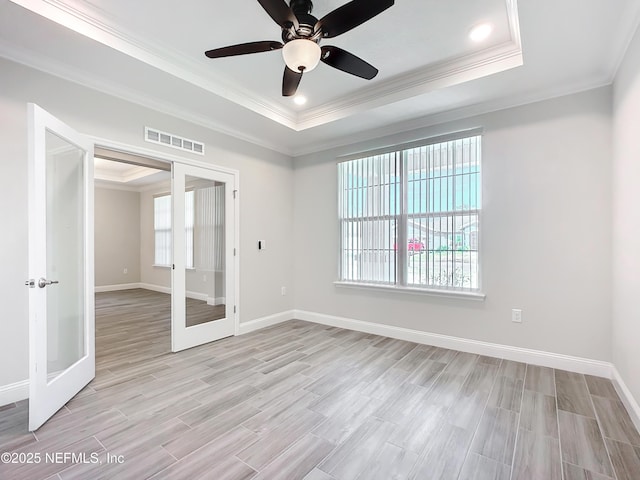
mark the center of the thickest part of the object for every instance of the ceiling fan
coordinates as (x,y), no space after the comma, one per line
(302,33)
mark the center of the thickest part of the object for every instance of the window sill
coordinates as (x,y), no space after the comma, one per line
(414,291)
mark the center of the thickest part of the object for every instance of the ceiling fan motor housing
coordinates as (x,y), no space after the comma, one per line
(307,22)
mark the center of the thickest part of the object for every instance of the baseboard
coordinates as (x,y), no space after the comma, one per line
(155,288)
(115,288)
(264,322)
(159,288)
(18,391)
(14,392)
(216,301)
(630,403)
(534,357)
(198,296)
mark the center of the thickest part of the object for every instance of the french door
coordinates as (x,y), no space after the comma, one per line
(203,282)
(61,302)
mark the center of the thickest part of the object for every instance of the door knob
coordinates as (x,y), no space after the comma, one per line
(43,282)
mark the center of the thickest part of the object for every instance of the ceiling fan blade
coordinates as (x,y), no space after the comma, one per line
(243,49)
(350,15)
(347,62)
(280,12)
(290,82)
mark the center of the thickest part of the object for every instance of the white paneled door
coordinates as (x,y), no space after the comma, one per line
(61,297)
(203,281)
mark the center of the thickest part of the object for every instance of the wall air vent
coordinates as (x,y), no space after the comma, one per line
(162,138)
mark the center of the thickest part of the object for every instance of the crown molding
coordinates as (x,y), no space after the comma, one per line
(135,172)
(623,38)
(444,74)
(161,186)
(383,134)
(108,185)
(161,57)
(441,75)
(44,64)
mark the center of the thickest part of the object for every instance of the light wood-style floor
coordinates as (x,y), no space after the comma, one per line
(199,311)
(305,401)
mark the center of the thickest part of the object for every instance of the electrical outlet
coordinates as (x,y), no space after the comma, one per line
(125,271)
(283,291)
(516,315)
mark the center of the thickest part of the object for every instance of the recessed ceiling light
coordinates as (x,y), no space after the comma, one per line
(480,32)
(300,99)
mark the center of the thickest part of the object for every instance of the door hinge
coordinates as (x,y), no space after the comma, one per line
(235,192)
(234,252)
(173,266)
(234,309)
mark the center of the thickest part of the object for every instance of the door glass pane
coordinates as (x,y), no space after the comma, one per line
(205,250)
(65,254)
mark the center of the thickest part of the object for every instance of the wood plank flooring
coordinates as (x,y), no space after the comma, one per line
(305,401)
(199,311)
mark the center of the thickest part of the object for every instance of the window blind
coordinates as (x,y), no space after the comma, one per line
(412,217)
(162,229)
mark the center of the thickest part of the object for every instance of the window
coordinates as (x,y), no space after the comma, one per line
(410,217)
(162,229)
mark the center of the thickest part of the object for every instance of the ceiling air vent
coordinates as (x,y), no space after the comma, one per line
(162,138)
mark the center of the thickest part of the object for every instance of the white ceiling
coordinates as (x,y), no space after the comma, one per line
(152,53)
(127,175)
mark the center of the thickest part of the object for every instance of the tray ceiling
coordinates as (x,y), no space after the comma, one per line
(153,53)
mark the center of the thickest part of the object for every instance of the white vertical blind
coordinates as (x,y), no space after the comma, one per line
(426,197)
(210,228)
(189,221)
(162,229)
(219,228)
(368,206)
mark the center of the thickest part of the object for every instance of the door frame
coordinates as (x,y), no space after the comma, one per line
(170,158)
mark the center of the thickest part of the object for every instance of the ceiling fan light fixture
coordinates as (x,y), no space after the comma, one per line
(301,55)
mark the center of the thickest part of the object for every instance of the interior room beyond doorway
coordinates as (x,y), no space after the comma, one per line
(133,229)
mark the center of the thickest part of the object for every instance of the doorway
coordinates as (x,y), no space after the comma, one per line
(164,241)
(133,296)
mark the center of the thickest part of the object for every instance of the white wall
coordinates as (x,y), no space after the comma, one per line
(626,219)
(117,236)
(266,195)
(545,237)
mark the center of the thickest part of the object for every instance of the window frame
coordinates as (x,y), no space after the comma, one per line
(156,230)
(189,264)
(402,217)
